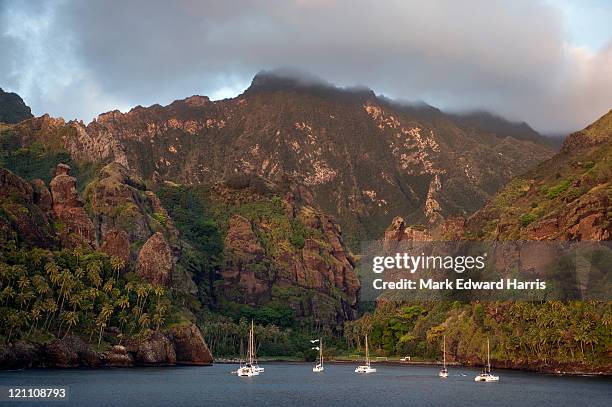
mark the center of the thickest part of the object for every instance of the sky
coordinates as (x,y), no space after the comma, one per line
(546,62)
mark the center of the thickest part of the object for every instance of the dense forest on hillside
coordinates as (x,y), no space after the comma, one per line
(547,334)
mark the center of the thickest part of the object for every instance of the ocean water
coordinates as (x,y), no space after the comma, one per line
(285,384)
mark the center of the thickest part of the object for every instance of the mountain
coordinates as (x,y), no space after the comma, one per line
(567,197)
(12,108)
(363,158)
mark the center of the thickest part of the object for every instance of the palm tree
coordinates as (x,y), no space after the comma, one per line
(71,318)
(117,264)
(7,294)
(103,317)
(158,316)
(143,321)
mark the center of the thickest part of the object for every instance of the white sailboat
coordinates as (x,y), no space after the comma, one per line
(486,375)
(250,368)
(366,368)
(319,366)
(444,372)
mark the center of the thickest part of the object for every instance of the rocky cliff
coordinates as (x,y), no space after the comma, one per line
(278,251)
(34,218)
(363,158)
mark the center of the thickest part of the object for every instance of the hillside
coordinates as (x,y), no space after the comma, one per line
(363,158)
(565,198)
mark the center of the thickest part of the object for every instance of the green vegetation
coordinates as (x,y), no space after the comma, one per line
(528,218)
(194,221)
(48,294)
(227,338)
(520,332)
(556,190)
(38,160)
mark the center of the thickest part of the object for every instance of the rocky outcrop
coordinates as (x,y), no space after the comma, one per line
(399,232)
(65,353)
(19,355)
(289,244)
(156,350)
(127,217)
(42,197)
(453,228)
(118,356)
(189,345)
(12,108)
(116,243)
(155,261)
(117,201)
(13,186)
(241,241)
(596,134)
(22,218)
(183,345)
(76,229)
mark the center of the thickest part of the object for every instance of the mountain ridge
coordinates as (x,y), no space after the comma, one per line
(365,160)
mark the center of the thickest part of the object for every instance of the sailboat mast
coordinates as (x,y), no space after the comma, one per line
(367,351)
(321,351)
(252,344)
(488,357)
(444,350)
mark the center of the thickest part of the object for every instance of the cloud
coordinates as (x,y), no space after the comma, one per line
(75,58)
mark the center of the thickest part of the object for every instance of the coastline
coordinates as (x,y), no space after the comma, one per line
(556,370)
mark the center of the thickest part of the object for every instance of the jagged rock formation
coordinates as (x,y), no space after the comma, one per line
(155,261)
(285,250)
(76,229)
(120,201)
(363,159)
(131,223)
(12,108)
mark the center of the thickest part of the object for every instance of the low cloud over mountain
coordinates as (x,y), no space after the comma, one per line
(517,59)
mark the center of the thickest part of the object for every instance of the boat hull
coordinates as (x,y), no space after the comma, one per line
(486,378)
(365,369)
(247,372)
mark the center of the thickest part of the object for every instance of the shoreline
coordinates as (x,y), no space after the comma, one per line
(541,370)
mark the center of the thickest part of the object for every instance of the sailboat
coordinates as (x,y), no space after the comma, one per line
(366,368)
(319,367)
(250,368)
(486,375)
(444,372)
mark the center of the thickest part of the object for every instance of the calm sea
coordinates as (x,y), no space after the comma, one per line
(296,385)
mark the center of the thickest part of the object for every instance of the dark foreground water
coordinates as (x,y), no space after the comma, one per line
(296,385)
